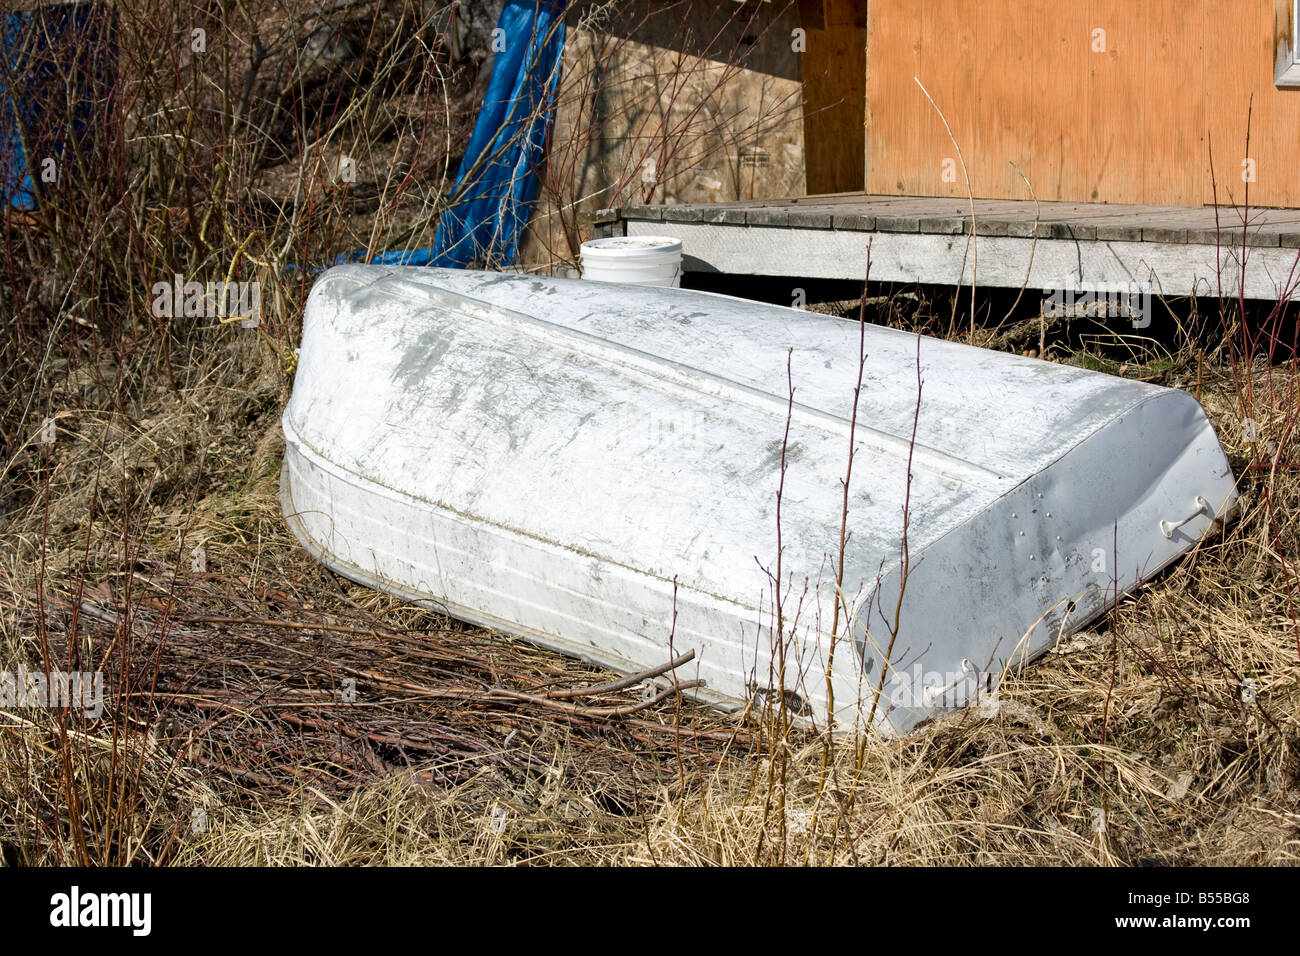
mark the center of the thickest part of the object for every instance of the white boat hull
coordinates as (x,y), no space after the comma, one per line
(595,468)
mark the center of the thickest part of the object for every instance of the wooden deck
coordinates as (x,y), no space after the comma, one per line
(1170,250)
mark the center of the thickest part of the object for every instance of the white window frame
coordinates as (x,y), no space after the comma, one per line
(1286,65)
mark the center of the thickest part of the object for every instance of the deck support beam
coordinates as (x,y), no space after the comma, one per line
(1168,251)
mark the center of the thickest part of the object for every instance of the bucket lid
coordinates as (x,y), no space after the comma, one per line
(620,246)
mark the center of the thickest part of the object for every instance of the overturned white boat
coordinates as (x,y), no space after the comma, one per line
(596,468)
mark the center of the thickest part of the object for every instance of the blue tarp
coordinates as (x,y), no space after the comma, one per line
(61,59)
(500,173)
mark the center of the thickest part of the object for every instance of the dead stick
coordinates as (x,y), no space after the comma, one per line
(625,682)
(595,711)
(292,625)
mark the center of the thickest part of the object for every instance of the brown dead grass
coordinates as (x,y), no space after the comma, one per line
(228,742)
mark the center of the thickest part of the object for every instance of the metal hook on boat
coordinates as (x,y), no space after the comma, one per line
(932,694)
(1167,528)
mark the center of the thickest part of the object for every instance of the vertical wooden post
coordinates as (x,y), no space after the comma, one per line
(834,94)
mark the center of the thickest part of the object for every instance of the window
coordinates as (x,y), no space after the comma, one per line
(1286,65)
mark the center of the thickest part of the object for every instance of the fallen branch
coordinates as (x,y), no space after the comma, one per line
(597,711)
(617,685)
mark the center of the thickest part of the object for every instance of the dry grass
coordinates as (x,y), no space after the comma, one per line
(228,741)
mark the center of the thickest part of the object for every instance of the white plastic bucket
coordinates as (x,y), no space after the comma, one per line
(636,260)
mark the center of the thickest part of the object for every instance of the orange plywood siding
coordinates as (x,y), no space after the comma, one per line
(1116,62)
(1173,143)
(1128,119)
(1229,84)
(1239,85)
(1060,79)
(950,80)
(895,135)
(1003,134)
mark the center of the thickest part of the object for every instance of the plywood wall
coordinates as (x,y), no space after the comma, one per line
(1092,100)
